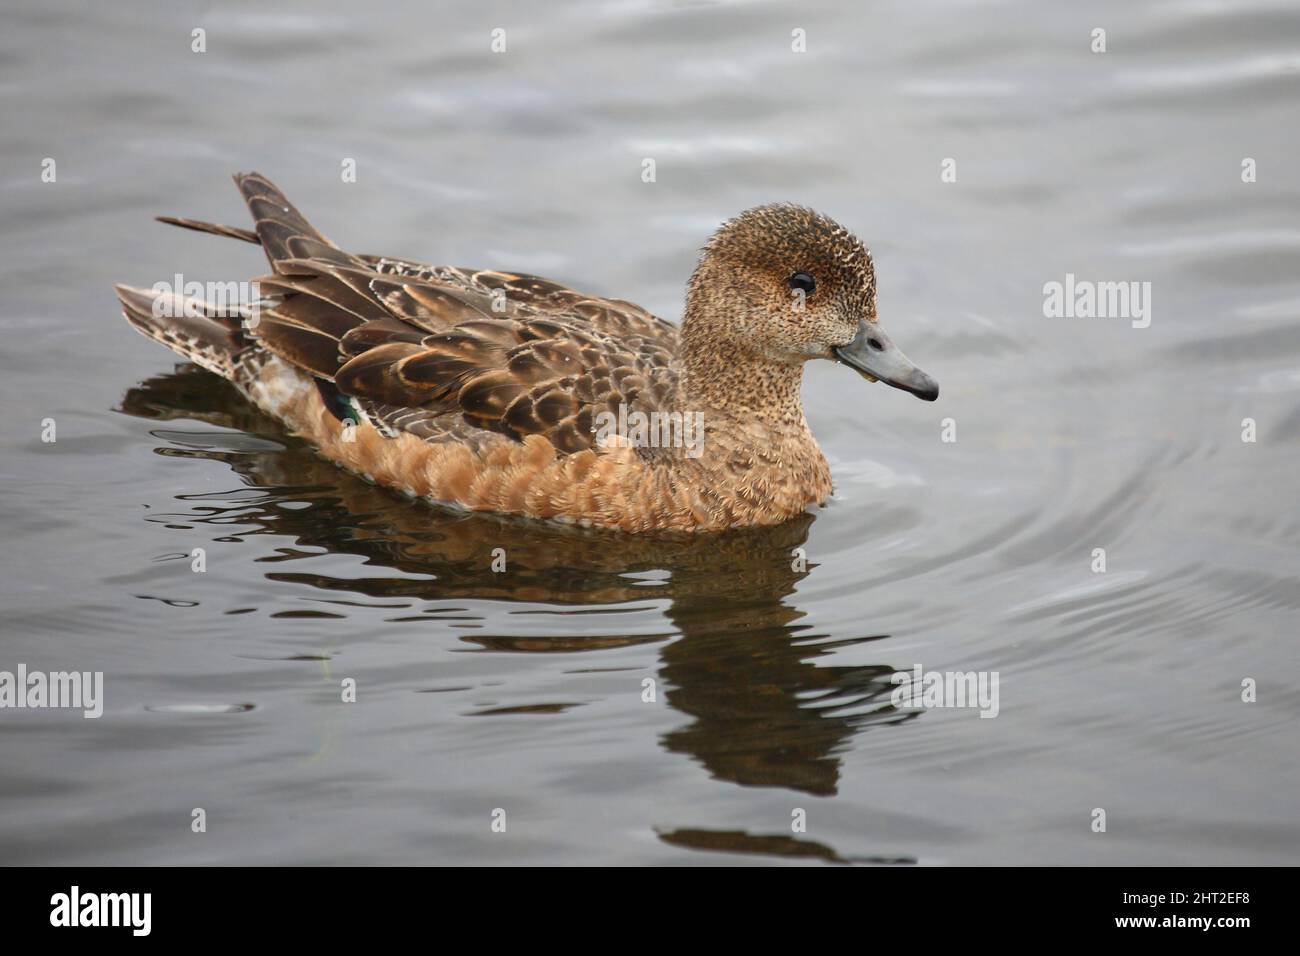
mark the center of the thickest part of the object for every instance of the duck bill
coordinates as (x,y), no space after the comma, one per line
(874,355)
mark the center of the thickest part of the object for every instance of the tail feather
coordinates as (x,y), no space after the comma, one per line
(216,341)
(283,231)
(232,232)
(190,327)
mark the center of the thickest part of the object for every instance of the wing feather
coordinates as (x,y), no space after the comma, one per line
(449,353)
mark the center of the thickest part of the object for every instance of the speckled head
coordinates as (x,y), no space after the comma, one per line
(788,284)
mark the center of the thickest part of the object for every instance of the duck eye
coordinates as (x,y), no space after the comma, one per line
(802,280)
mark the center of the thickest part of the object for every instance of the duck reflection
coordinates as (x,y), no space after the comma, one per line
(742,666)
(739,841)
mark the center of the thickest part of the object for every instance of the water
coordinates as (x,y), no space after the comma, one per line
(522,691)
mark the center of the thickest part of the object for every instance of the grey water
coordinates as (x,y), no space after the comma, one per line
(623,700)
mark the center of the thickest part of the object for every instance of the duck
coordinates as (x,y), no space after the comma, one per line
(506,392)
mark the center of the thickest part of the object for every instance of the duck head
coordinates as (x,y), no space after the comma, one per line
(785,284)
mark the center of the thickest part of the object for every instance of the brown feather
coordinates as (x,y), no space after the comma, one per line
(232,232)
(311,349)
(372,375)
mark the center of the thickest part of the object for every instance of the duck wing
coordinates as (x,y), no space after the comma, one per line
(449,353)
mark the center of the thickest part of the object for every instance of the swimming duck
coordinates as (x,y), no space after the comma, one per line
(505,392)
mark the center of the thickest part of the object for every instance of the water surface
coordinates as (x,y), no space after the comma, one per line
(524,691)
